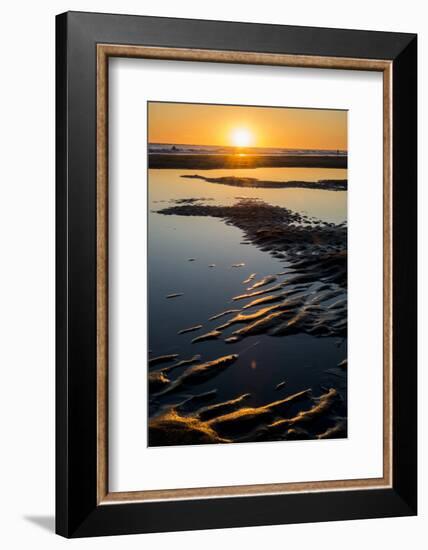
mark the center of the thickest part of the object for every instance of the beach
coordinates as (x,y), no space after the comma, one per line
(247,297)
(243,160)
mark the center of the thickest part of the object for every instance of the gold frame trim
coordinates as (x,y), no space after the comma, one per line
(104,51)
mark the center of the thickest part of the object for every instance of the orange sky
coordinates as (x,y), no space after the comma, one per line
(199,124)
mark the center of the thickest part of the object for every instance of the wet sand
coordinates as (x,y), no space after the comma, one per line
(321,245)
(207,162)
(297,416)
(307,298)
(328,185)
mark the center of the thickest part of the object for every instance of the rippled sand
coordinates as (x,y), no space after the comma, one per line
(309,297)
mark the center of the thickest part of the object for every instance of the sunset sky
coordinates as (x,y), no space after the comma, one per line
(199,124)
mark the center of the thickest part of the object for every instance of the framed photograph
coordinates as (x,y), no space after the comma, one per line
(236,274)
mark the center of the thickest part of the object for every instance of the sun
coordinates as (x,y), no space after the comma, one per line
(241,137)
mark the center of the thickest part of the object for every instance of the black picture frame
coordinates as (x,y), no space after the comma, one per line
(77,512)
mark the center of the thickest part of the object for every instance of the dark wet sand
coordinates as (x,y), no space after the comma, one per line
(298,416)
(206,162)
(320,247)
(327,185)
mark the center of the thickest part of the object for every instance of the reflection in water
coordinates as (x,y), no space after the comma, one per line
(204,287)
(166,185)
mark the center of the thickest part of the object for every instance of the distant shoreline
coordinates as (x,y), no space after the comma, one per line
(328,185)
(207,162)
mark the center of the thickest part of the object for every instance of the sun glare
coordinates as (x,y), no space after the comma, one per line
(241,137)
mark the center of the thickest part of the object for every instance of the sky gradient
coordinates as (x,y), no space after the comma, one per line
(201,124)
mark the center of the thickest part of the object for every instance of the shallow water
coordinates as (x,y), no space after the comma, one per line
(166,185)
(301,360)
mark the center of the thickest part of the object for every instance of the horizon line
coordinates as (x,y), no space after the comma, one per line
(246,147)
